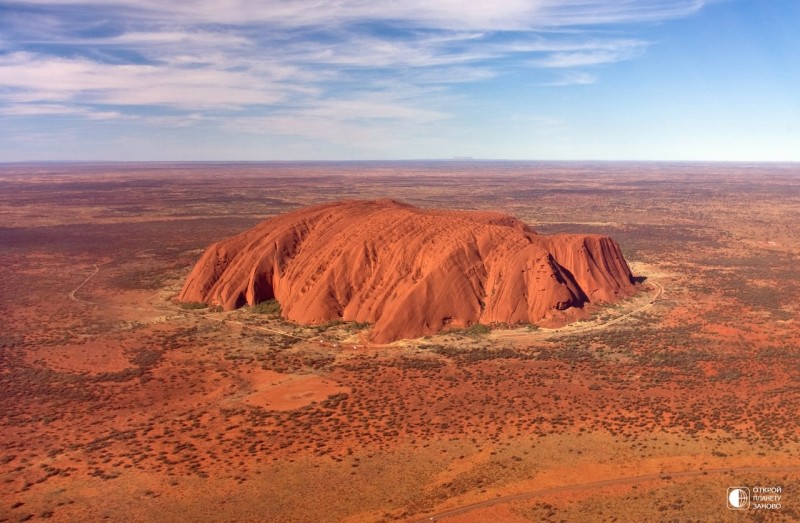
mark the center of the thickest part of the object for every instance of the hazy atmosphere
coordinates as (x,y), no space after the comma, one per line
(301,80)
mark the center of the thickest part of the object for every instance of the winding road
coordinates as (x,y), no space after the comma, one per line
(591,485)
(227,321)
(84,282)
(606,324)
(577,328)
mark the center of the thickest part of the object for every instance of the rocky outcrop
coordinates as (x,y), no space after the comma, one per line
(408,271)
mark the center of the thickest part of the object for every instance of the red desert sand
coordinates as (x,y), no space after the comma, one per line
(409,272)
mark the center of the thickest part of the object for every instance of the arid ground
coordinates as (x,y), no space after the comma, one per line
(119,404)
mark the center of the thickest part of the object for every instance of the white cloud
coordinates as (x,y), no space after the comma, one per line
(39,109)
(26,77)
(330,70)
(441,14)
(573,78)
(579,59)
(593,52)
(192,38)
(364,109)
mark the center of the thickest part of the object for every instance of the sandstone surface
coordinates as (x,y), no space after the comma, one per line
(407,271)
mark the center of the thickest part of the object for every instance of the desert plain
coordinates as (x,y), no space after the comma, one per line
(119,403)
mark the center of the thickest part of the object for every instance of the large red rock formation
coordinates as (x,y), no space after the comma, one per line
(408,271)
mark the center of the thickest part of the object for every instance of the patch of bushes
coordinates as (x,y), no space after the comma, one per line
(334,400)
(267,307)
(146,358)
(419,363)
(478,328)
(475,329)
(192,305)
(322,327)
(481,354)
(354,326)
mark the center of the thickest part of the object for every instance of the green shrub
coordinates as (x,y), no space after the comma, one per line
(193,305)
(478,328)
(357,325)
(267,307)
(146,358)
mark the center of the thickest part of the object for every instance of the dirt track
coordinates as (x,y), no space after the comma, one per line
(438,516)
(660,291)
(84,282)
(577,328)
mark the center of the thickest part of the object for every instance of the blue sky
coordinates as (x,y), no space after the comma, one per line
(400,79)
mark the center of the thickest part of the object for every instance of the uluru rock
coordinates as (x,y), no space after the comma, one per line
(407,271)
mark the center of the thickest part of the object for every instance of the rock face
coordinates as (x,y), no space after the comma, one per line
(410,272)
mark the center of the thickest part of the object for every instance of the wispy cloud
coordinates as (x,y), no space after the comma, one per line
(444,14)
(572,59)
(299,67)
(38,109)
(30,77)
(572,78)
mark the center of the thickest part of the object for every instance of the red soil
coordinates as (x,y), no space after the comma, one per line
(410,272)
(92,357)
(277,391)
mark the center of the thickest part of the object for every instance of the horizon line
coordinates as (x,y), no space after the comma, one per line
(407,160)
